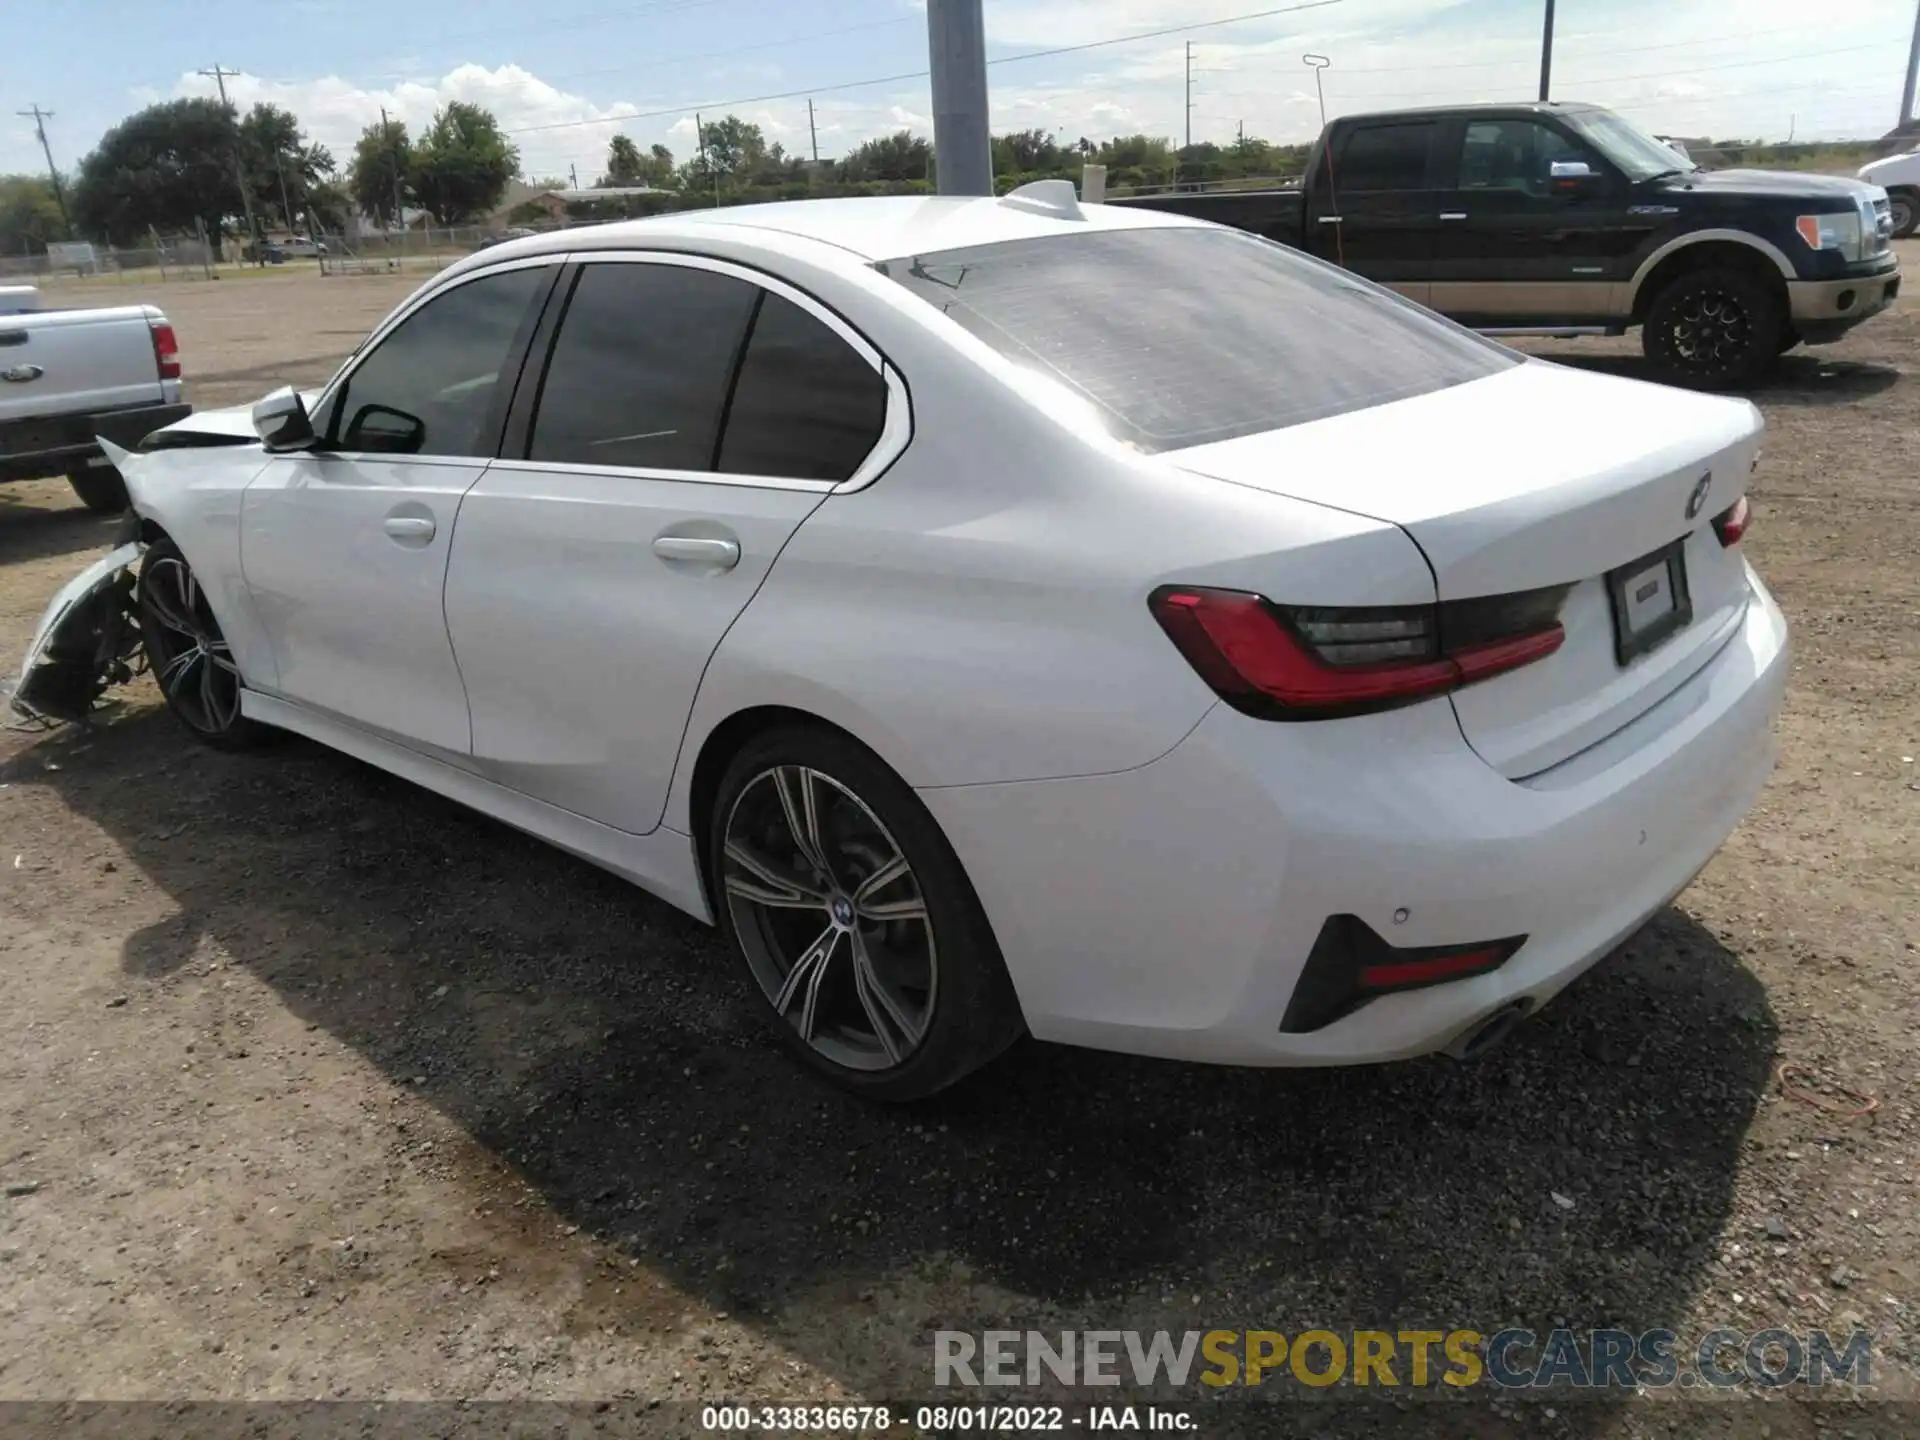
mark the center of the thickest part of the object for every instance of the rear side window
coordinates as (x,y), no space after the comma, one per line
(641,368)
(806,405)
(1385,157)
(1184,336)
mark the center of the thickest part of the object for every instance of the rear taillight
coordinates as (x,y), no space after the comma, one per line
(166,349)
(1313,663)
(1732,523)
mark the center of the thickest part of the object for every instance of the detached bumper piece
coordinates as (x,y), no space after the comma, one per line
(88,640)
(1350,965)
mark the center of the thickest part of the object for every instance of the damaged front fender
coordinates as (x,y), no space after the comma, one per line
(88,638)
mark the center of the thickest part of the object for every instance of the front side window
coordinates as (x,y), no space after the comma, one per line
(1515,155)
(641,368)
(429,386)
(1385,157)
(1186,335)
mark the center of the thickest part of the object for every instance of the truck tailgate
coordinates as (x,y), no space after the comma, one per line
(67,361)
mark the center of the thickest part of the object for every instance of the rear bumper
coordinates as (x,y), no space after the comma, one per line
(1824,310)
(1169,910)
(56,444)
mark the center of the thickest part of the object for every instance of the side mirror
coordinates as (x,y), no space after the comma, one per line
(282,423)
(1572,177)
(382,430)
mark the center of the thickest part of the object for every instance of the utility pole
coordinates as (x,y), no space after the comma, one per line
(40,118)
(813,132)
(286,205)
(239,175)
(1189,105)
(1913,72)
(573,173)
(1546,55)
(957,56)
(393,154)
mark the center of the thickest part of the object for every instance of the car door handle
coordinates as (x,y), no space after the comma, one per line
(410,527)
(1329,219)
(699,549)
(1453,214)
(21,374)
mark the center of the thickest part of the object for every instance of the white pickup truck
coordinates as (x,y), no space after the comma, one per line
(68,377)
(1899,176)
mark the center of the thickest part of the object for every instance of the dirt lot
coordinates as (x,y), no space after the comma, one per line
(312,1085)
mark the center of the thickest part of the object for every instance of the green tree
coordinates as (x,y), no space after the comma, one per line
(624,163)
(902,155)
(281,166)
(463,164)
(164,168)
(1028,152)
(378,178)
(29,214)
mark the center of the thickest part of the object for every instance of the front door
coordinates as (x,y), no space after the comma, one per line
(1372,204)
(344,548)
(691,416)
(1516,246)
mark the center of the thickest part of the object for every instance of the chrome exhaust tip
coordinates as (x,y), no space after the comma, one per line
(1483,1035)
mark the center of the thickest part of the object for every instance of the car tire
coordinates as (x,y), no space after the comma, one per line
(189,656)
(1716,328)
(891,988)
(1904,210)
(100,488)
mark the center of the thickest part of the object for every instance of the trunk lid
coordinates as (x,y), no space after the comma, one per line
(1542,476)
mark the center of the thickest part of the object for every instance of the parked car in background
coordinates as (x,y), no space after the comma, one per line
(517,232)
(68,377)
(1261,671)
(1899,176)
(1566,219)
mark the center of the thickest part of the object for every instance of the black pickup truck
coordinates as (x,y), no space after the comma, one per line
(1563,219)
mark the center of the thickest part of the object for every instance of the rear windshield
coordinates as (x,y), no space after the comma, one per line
(1182,336)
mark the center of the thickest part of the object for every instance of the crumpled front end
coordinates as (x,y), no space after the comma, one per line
(88,638)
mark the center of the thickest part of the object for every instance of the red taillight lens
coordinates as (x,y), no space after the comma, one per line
(1403,974)
(166,349)
(1732,523)
(1315,663)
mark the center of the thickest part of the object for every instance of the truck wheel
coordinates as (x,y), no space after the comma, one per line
(1716,328)
(1904,211)
(100,488)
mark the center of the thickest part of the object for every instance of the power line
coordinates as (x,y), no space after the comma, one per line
(923,74)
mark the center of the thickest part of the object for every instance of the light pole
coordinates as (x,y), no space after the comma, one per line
(957,58)
(1546,55)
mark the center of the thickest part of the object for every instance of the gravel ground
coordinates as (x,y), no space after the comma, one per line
(313,1086)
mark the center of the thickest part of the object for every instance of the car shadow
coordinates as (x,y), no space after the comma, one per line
(35,532)
(1799,378)
(591,1038)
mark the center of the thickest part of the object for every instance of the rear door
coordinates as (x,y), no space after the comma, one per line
(1372,204)
(344,548)
(1511,247)
(691,415)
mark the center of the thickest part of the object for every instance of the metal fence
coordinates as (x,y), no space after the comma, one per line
(185,259)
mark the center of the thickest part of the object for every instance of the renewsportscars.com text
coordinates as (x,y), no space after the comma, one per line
(1511,1359)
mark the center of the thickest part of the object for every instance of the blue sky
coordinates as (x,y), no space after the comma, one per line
(562,79)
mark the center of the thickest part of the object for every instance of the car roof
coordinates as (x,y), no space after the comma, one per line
(867,228)
(1485,107)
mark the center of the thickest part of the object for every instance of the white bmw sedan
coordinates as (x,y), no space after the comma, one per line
(997,616)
